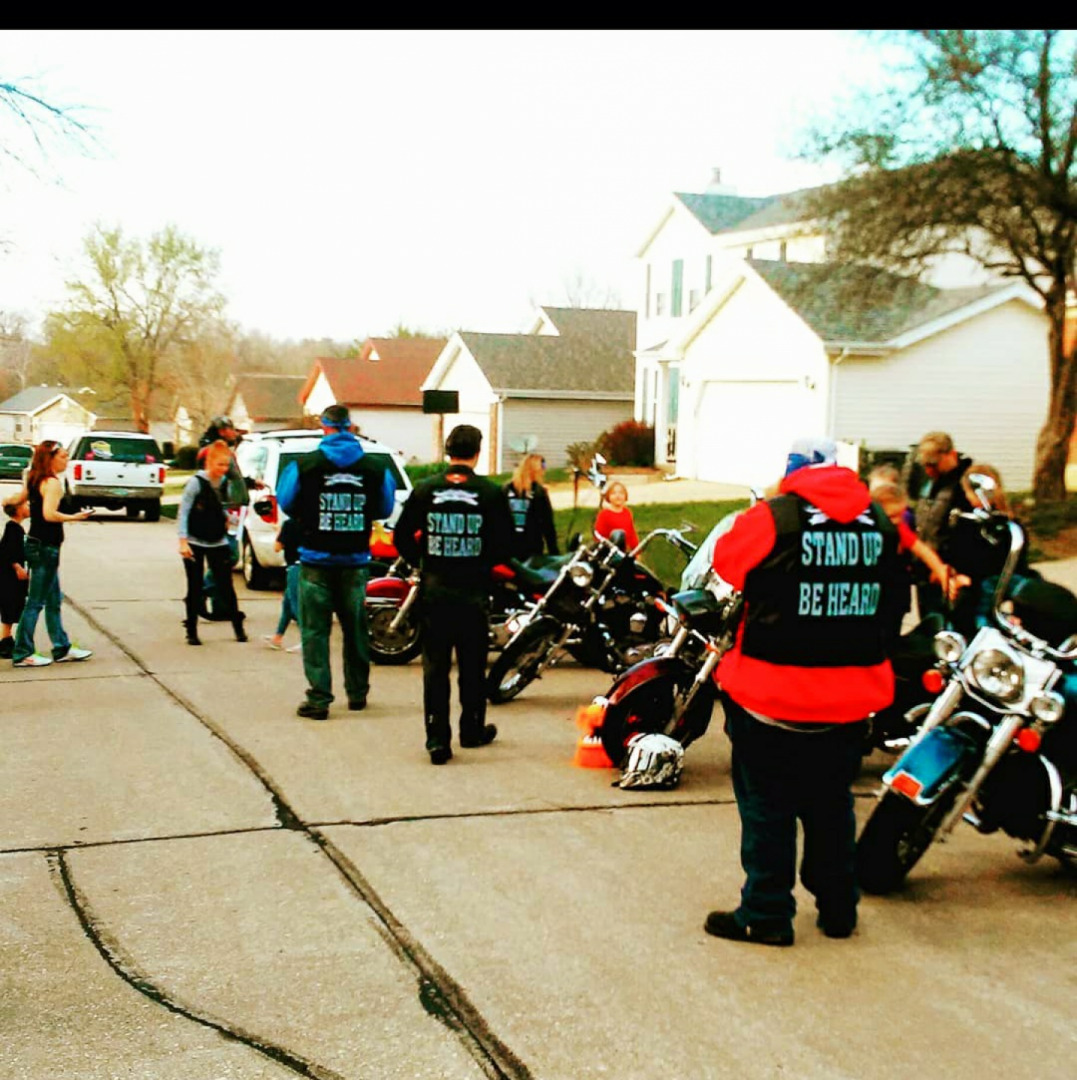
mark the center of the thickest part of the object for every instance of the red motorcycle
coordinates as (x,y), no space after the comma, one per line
(395,633)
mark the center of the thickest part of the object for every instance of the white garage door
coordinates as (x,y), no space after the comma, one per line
(745,430)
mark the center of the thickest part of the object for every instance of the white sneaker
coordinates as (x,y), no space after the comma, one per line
(75,653)
(272,642)
(295,648)
(33,660)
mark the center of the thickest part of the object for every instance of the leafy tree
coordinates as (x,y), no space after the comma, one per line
(134,312)
(971,148)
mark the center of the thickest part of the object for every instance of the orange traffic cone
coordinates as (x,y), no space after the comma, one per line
(590,753)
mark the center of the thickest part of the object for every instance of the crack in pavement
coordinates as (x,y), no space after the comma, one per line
(439,994)
(109,950)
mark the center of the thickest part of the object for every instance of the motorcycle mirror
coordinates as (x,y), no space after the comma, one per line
(983,487)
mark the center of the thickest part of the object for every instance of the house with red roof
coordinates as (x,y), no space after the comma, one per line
(381,388)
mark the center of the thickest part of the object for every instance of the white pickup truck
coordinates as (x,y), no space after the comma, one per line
(116,470)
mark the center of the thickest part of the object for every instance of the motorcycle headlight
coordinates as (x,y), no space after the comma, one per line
(582,574)
(1047,707)
(997,674)
(949,646)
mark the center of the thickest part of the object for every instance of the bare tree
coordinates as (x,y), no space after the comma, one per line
(16,352)
(973,149)
(36,126)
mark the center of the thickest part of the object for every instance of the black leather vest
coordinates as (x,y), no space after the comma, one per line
(824,595)
(335,501)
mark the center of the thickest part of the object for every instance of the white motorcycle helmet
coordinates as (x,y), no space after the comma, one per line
(654,761)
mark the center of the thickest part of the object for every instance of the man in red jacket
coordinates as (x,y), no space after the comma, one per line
(818,566)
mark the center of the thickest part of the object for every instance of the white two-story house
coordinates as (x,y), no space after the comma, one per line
(743,343)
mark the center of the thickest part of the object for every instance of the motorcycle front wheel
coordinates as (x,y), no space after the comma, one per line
(397,646)
(895,838)
(650,705)
(518,665)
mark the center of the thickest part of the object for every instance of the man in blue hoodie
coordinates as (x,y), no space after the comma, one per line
(336,493)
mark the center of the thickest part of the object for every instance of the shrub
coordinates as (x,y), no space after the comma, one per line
(185,458)
(579,455)
(627,443)
(421,472)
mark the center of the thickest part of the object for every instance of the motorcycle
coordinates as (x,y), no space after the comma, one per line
(996,748)
(673,692)
(395,632)
(597,610)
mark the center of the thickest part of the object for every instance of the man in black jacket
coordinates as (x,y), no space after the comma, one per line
(455,527)
(935,492)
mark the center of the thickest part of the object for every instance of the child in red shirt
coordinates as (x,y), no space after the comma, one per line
(616,515)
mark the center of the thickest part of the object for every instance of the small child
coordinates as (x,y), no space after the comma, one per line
(891,496)
(288,537)
(14,577)
(616,515)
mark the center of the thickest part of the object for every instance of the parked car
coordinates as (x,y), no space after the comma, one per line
(116,470)
(14,459)
(262,458)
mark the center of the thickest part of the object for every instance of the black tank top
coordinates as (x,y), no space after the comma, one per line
(47,532)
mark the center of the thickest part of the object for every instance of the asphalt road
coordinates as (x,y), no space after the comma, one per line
(195,885)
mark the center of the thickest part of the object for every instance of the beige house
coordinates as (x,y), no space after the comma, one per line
(265,402)
(567,381)
(44,412)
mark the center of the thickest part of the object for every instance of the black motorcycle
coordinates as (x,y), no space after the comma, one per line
(597,610)
(673,692)
(997,748)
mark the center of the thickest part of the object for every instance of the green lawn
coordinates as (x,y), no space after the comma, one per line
(660,557)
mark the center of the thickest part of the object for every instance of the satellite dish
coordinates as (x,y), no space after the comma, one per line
(526,444)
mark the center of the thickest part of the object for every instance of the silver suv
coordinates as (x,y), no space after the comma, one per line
(262,458)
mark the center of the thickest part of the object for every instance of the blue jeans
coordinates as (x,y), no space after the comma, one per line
(43,562)
(289,604)
(780,776)
(323,592)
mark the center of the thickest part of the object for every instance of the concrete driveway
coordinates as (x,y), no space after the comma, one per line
(195,884)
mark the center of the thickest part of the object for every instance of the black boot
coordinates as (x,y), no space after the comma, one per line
(237,626)
(192,632)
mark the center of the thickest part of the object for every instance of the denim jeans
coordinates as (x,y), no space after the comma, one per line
(323,592)
(289,604)
(43,562)
(780,776)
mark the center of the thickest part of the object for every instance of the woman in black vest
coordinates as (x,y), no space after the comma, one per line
(532,513)
(203,539)
(44,490)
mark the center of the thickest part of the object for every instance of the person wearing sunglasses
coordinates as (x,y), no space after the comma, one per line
(532,512)
(935,484)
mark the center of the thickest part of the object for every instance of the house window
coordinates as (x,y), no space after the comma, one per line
(678,287)
(660,303)
(693,299)
(710,268)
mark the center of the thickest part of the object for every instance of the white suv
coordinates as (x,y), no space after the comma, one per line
(262,458)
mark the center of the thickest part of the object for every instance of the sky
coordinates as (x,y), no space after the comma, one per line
(353,181)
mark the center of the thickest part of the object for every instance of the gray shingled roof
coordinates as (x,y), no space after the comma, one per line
(571,363)
(271,396)
(859,303)
(605,324)
(33,397)
(735,213)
